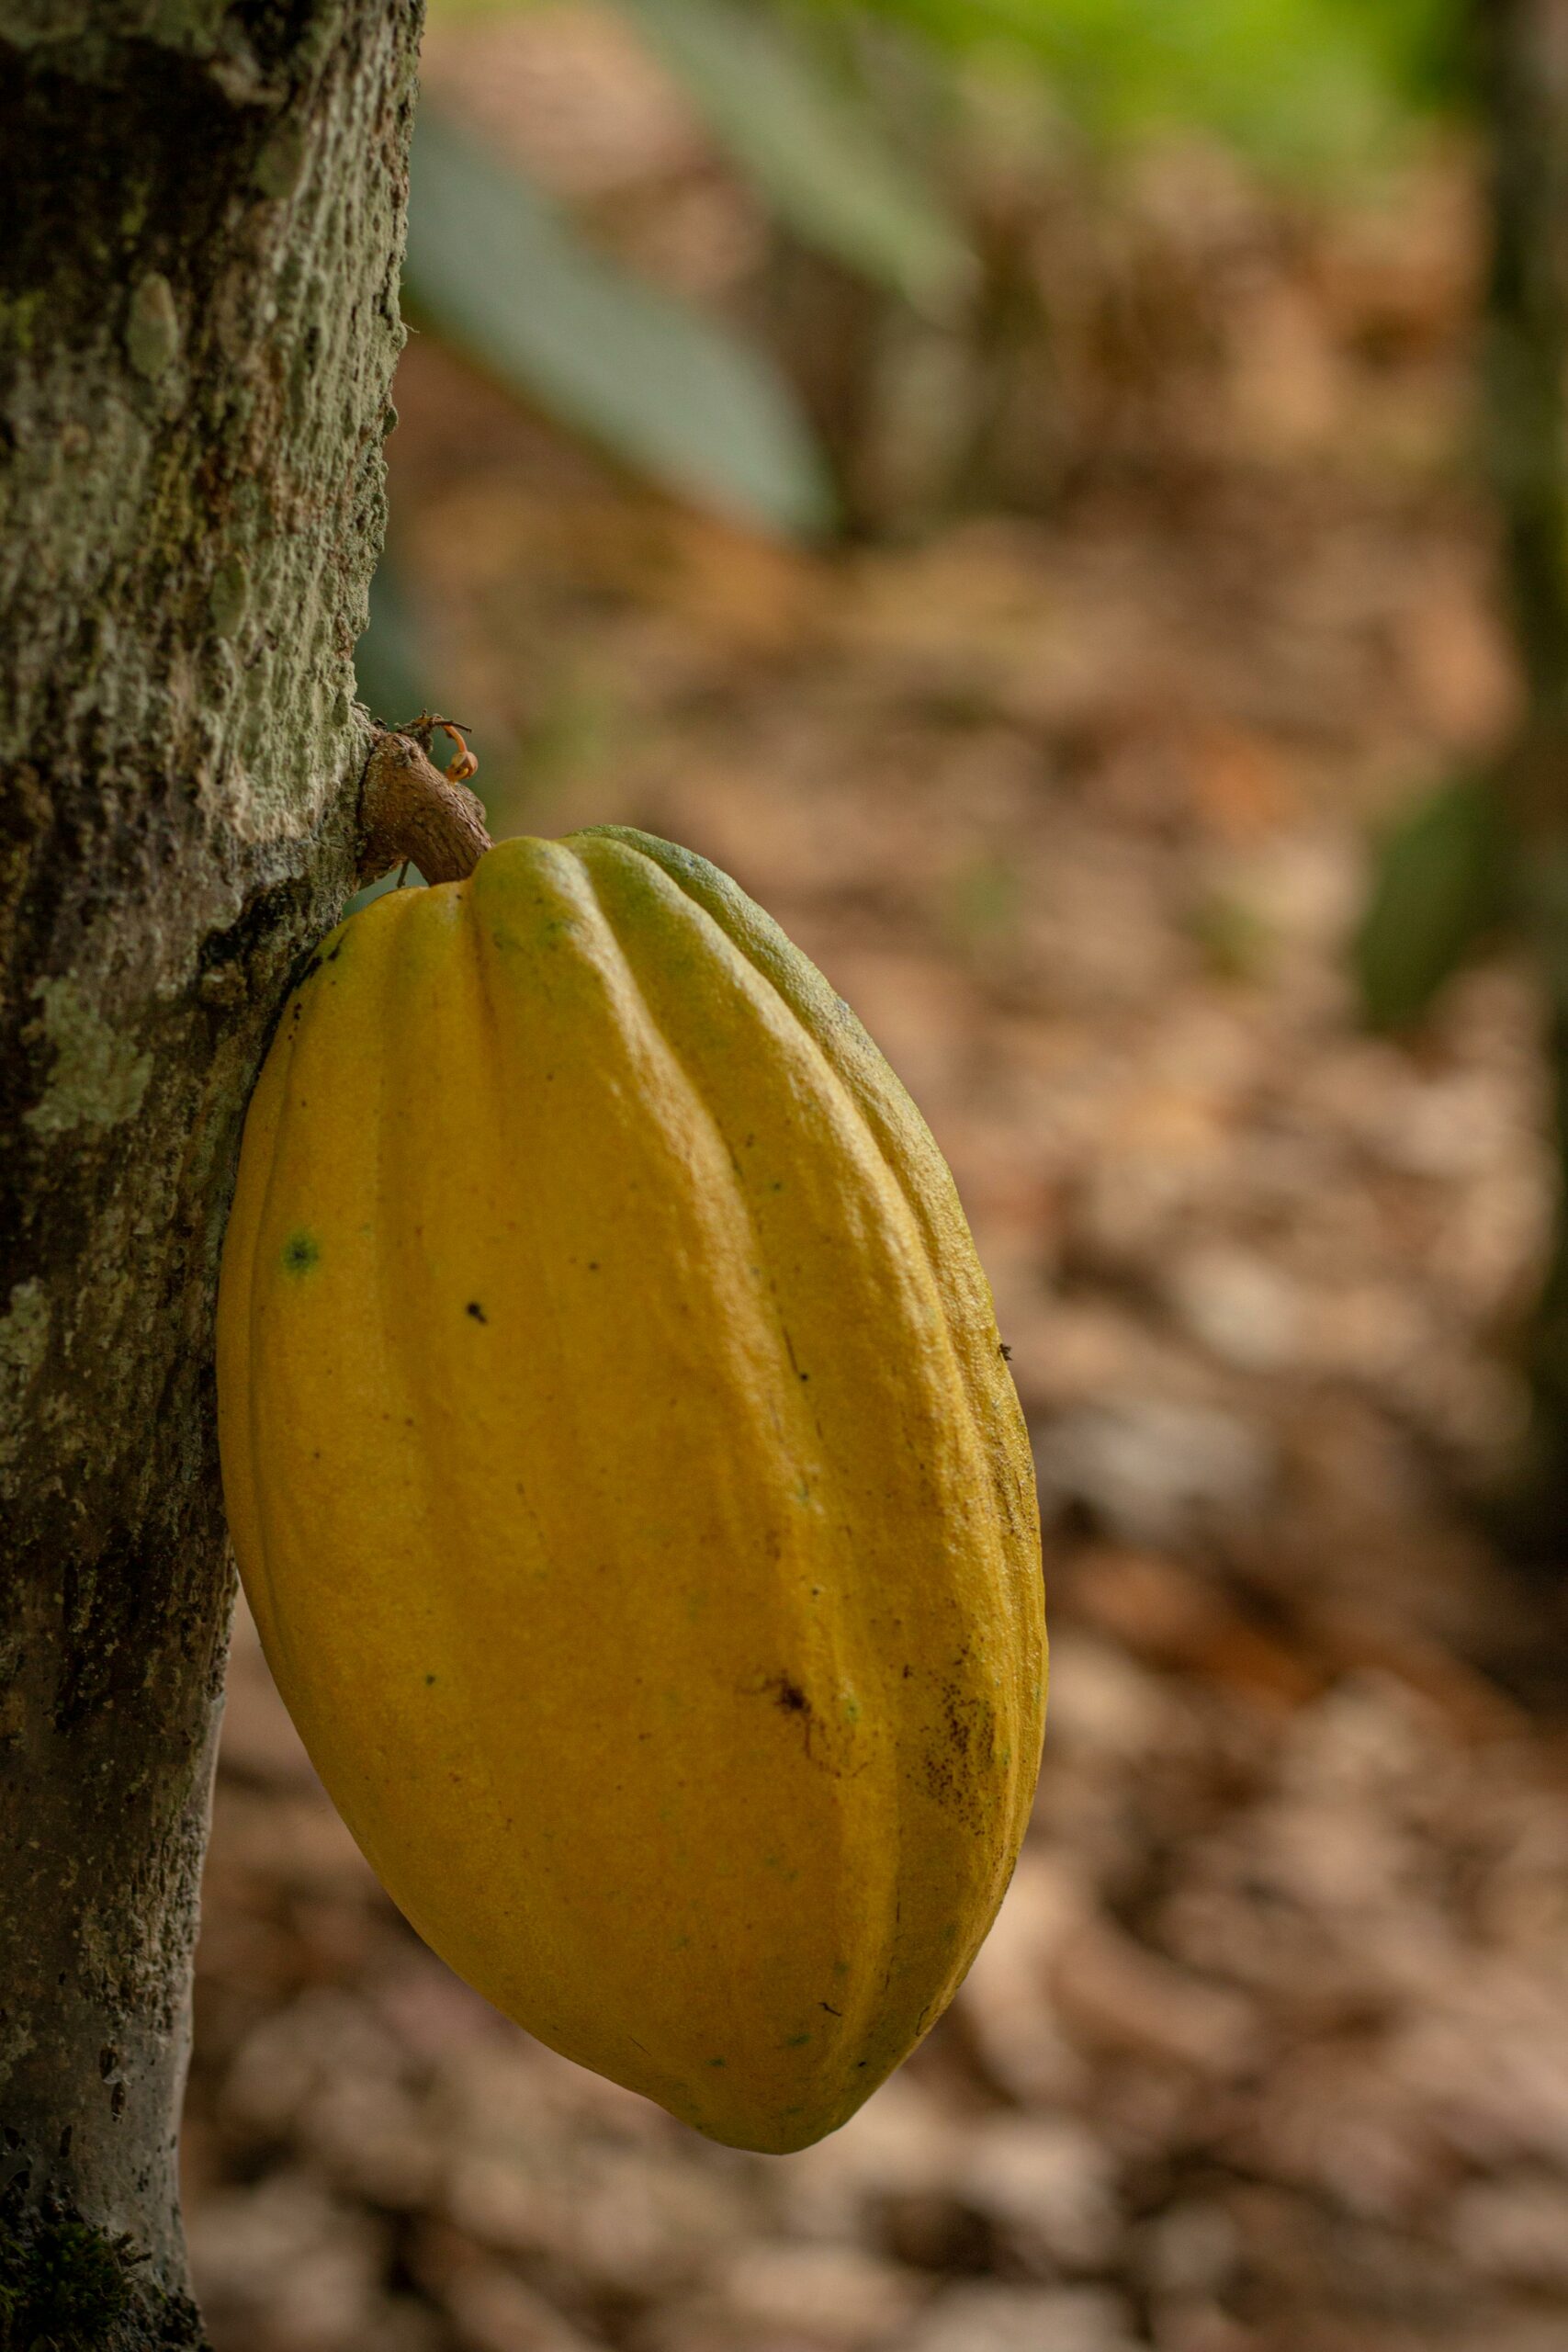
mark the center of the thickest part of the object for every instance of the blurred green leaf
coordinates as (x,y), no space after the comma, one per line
(1440,884)
(1542,904)
(388,661)
(817,154)
(495,266)
(1298,82)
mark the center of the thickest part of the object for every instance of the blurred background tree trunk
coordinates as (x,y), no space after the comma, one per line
(1523,49)
(198,321)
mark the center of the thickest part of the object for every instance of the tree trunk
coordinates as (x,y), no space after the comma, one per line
(198,321)
(1523,56)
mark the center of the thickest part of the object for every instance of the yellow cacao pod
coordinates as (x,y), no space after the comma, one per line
(627,1482)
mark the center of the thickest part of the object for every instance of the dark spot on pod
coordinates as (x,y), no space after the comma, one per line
(300,1252)
(477,1311)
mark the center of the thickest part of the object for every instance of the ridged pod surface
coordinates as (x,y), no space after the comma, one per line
(627,1482)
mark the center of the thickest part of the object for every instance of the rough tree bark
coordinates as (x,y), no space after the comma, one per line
(198,321)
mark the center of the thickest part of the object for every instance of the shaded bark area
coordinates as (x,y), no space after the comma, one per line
(1523,58)
(197,327)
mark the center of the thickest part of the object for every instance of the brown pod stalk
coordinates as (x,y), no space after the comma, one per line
(410,813)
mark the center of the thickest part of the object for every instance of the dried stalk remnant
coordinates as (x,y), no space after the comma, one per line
(410,812)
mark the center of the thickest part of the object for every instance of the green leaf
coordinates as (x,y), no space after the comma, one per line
(1440,884)
(496,267)
(817,154)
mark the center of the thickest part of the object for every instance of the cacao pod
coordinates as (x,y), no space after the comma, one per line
(627,1479)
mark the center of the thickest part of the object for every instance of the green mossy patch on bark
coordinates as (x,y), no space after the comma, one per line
(65,2286)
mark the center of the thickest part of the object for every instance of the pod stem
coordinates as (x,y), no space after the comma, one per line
(410,812)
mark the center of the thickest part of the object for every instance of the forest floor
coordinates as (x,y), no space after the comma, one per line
(1269,2048)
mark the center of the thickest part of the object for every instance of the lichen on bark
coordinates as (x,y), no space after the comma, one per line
(198,326)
